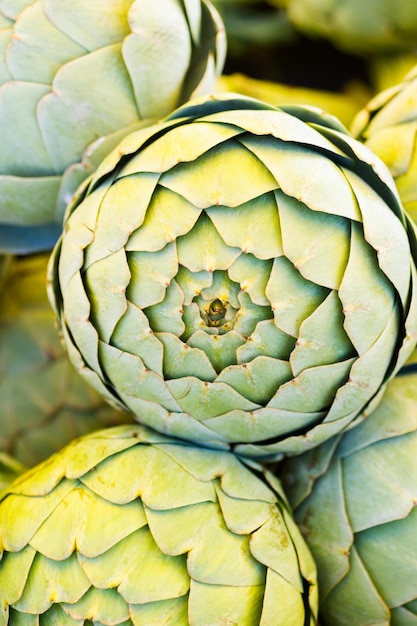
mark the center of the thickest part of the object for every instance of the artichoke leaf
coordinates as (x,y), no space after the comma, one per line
(38,47)
(257,380)
(92,26)
(52,581)
(181,359)
(320,249)
(221,177)
(103,606)
(213,603)
(307,176)
(244,226)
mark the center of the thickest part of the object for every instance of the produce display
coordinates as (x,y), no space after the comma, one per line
(208,313)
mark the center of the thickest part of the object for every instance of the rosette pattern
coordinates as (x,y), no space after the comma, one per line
(75,77)
(44,402)
(388,126)
(239,274)
(127,526)
(354,499)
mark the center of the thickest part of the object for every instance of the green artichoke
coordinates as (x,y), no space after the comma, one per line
(355,501)
(358,26)
(239,273)
(126,526)
(388,126)
(76,76)
(44,402)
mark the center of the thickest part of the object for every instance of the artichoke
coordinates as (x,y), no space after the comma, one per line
(238,274)
(44,402)
(75,77)
(358,27)
(388,126)
(355,498)
(126,526)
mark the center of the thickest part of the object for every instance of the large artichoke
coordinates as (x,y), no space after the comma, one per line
(76,76)
(358,26)
(388,126)
(44,402)
(355,501)
(239,273)
(129,527)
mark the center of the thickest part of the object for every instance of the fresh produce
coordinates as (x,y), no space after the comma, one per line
(75,77)
(239,273)
(127,526)
(355,26)
(388,126)
(354,499)
(44,402)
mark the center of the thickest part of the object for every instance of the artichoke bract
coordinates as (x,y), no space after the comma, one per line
(75,77)
(388,126)
(44,402)
(354,499)
(239,274)
(129,526)
(358,27)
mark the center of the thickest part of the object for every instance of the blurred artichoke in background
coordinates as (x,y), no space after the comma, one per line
(10,469)
(358,26)
(75,77)
(129,526)
(44,402)
(388,126)
(239,274)
(254,22)
(355,502)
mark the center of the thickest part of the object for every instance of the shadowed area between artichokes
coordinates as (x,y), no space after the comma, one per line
(239,274)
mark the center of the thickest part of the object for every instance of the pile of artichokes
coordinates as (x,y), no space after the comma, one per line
(208,322)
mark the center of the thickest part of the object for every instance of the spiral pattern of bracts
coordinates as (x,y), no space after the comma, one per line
(76,77)
(94,534)
(239,274)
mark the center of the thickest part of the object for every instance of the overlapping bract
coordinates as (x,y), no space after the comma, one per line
(388,126)
(356,26)
(77,76)
(127,526)
(355,500)
(239,274)
(44,403)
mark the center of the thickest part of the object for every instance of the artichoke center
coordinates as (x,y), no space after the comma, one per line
(216,313)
